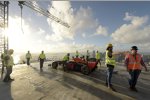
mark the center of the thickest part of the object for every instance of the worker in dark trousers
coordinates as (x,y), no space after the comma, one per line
(3,62)
(77,54)
(98,58)
(134,63)
(66,58)
(42,58)
(9,64)
(110,63)
(28,57)
(87,55)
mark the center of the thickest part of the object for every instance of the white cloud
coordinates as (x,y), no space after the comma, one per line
(101,31)
(83,35)
(84,19)
(80,20)
(136,31)
(61,9)
(53,37)
(41,31)
(26,40)
(29,41)
(71,47)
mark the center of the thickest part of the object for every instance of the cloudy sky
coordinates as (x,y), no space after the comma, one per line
(93,24)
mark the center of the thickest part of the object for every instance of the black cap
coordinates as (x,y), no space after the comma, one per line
(68,54)
(134,48)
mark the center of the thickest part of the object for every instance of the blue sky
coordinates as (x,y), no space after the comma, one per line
(93,25)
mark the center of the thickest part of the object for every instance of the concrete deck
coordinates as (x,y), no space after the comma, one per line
(51,84)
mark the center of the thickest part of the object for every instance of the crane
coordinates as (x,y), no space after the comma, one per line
(42,11)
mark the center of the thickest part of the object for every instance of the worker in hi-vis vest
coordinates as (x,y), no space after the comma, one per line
(110,63)
(98,58)
(42,58)
(3,61)
(9,62)
(77,54)
(93,54)
(87,55)
(28,57)
(134,63)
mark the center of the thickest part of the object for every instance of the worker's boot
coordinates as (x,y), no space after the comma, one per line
(10,79)
(134,89)
(41,69)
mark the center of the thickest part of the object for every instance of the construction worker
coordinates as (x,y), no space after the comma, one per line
(87,55)
(134,63)
(3,61)
(83,58)
(77,54)
(110,63)
(66,58)
(93,54)
(9,62)
(98,58)
(42,57)
(28,57)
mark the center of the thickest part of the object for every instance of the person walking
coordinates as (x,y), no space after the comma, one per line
(42,58)
(98,58)
(110,63)
(3,62)
(77,54)
(87,55)
(9,62)
(28,57)
(93,54)
(134,63)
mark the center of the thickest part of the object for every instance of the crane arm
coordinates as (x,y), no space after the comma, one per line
(43,12)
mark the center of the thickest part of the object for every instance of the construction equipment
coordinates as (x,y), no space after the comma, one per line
(42,11)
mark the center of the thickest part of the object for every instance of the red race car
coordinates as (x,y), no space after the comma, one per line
(78,64)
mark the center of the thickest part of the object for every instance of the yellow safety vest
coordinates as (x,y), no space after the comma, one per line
(98,55)
(66,58)
(108,60)
(42,56)
(134,63)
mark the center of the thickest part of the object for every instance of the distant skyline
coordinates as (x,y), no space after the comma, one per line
(94,24)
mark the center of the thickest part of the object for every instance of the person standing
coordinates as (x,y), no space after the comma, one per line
(66,58)
(134,63)
(110,63)
(9,62)
(98,58)
(77,54)
(87,55)
(3,62)
(42,58)
(93,54)
(28,57)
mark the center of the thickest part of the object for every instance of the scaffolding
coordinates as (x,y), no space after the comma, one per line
(3,25)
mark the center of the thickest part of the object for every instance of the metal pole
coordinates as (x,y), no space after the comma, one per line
(7,23)
(4,26)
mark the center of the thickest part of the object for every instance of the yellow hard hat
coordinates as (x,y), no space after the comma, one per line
(109,45)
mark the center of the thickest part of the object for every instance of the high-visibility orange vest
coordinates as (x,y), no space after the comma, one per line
(134,63)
